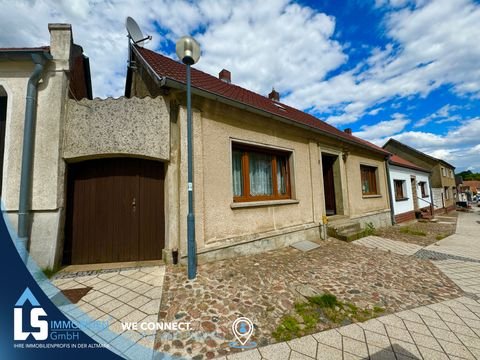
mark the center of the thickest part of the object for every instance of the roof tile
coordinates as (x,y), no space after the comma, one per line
(399,161)
(169,68)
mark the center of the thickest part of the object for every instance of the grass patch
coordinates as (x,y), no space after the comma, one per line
(369,229)
(318,313)
(49,272)
(441,236)
(407,230)
(324,301)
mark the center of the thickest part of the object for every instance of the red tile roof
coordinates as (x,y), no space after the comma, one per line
(399,161)
(169,68)
(473,184)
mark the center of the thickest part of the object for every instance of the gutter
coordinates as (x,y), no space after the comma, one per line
(28,144)
(163,81)
(392,211)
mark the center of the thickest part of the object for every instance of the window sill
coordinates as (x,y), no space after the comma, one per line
(371,196)
(250,204)
(402,199)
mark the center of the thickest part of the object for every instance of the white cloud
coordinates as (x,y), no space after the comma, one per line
(441,116)
(279,44)
(384,128)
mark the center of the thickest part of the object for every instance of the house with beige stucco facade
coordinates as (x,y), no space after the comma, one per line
(108,180)
(35,85)
(265,174)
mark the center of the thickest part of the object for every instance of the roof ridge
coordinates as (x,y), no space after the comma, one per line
(417,151)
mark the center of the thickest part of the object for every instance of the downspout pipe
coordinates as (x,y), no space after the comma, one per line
(390,196)
(27,152)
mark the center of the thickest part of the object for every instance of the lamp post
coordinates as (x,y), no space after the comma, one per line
(188,50)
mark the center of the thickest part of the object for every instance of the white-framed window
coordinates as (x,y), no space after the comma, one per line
(446,192)
(423,188)
(443,172)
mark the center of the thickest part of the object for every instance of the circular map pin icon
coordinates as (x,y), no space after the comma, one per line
(242,329)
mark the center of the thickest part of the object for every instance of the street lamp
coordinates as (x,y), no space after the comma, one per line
(188,50)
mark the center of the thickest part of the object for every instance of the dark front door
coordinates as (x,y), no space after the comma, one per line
(329,184)
(115,211)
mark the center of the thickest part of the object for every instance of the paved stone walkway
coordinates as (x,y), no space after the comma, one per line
(447,330)
(397,247)
(464,273)
(466,240)
(128,295)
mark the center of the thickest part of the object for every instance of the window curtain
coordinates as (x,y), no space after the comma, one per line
(260,174)
(237,173)
(281,175)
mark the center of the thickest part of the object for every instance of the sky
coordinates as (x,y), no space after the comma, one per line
(403,69)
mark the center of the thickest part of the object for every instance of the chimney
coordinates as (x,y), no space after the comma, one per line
(61,41)
(348,131)
(225,75)
(274,95)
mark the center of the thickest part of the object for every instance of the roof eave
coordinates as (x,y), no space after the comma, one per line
(18,54)
(409,167)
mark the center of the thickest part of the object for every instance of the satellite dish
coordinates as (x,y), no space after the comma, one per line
(134,32)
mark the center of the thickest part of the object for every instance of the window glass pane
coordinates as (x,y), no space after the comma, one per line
(369,180)
(399,188)
(260,174)
(281,175)
(237,173)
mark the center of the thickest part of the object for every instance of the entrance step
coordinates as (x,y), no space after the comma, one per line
(346,231)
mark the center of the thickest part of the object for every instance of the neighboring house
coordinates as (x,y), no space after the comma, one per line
(442,173)
(410,189)
(62,72)
(463,191)
(470,188)
(109,177)
(473,185)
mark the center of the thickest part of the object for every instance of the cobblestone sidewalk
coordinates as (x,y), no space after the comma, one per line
(265,287)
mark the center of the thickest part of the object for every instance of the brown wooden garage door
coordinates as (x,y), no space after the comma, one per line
(115,211)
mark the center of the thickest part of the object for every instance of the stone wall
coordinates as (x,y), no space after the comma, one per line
(137,127)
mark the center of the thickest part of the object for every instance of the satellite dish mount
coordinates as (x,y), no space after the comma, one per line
(135,37)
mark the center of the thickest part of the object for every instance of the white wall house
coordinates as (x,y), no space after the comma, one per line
(410,189)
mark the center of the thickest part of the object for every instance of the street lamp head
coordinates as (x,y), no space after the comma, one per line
(188,50)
